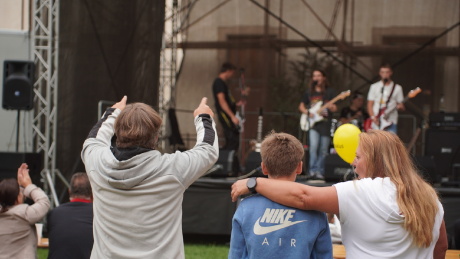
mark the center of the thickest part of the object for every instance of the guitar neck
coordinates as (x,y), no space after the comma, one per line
(394,108)
(335,99)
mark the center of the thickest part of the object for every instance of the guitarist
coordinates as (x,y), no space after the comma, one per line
(319,133)
(226,106)
(383,95)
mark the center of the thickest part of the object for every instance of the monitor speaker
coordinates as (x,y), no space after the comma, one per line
(336,169)
(227,165)
(18,80)
(252,164)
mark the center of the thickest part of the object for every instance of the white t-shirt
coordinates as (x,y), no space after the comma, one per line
(375,94)
(372,226)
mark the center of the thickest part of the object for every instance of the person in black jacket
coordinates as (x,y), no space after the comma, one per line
(70,226)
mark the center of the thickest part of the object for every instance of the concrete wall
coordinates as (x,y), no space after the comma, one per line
(14,45)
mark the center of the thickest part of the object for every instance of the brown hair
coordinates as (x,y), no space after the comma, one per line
(386,156)
(386,65)
(281,153)
(323,85)
(80,186)
(137,125)
(9,192)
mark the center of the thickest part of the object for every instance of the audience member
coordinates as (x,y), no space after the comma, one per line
(262,228)
(18,235)
(389,212)
(137,190)
(70,226)
(335,228)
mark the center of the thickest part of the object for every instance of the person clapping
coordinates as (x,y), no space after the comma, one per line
(18,237)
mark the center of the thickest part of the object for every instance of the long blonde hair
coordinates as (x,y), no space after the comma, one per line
(386,156)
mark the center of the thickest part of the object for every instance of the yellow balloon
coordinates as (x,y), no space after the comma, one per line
(346,139)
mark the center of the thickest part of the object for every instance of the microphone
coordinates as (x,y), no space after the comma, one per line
(314,83)
(385,80)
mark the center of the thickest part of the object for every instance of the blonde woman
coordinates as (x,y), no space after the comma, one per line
(388,212)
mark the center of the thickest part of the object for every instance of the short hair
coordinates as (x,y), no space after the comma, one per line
(227,66)
(80,186)
(357,94)
(9,192)
(386,65)
(138,125)
(281,154)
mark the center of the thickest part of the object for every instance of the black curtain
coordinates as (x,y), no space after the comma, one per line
(107,49)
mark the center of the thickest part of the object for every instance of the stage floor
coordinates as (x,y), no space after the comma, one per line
(208,209)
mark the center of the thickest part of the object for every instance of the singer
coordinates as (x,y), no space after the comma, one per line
(383,97)
(319,133)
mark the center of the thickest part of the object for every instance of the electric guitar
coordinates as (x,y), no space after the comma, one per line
(240,114)
(384,114)
(307,122)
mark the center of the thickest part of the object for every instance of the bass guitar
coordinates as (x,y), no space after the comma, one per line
(383,114)
(307,122)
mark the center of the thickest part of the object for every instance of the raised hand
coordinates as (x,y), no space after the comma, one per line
(203,108)
(23,176)
(121,104)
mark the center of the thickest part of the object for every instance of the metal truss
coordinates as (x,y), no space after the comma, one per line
(170,60)
(45,28)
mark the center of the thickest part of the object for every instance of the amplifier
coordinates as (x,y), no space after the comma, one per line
(444,119)
(227,165)
(337,170)
(444,146)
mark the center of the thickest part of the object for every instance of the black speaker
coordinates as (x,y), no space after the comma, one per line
(427,168)
(336,170)
(227,165)
(252,163)
(10,162)
(444,146)
(18,80)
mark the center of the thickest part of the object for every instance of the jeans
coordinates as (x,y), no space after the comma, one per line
(393,128)
(319,148)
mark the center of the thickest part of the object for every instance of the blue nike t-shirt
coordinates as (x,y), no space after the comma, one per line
(265,229)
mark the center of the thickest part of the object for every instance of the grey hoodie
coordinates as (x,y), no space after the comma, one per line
(138,201)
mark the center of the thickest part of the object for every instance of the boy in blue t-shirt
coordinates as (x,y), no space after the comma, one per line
(262,228)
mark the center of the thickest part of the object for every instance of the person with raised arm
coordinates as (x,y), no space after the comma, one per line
(138,191)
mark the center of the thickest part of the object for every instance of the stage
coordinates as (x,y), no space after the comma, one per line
(208,209)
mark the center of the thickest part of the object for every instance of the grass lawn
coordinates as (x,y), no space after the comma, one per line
(192,251)
(203,249)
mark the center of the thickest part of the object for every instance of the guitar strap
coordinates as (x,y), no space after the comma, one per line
(391,93)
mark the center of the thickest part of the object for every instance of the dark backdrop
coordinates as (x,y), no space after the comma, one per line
(108,48)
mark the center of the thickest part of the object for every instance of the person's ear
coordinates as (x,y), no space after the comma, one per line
(299,167)
(264,168)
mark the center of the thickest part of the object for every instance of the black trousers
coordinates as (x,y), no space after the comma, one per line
(231,132)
